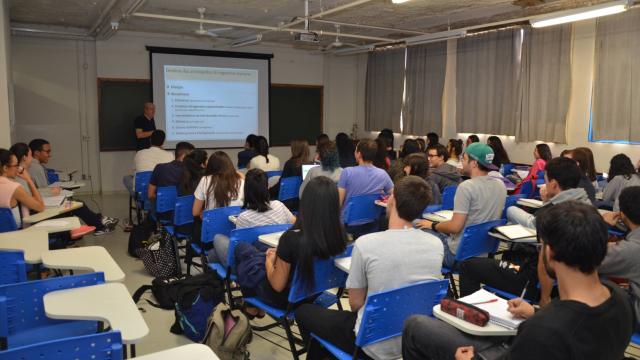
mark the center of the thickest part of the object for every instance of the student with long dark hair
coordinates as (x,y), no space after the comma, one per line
(454,147)
(346,150)
(11,193)
(220,186)
(396,170)
(316,234)
(382,159)
(541,154)
(249,151)
(622,174)
(500,154)
(418,165)
(194,166)
(387,135)
(580,156)
(263,160)
(293,167)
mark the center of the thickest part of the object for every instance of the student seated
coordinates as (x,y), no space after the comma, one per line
(363,179)
(396,171)
(519,266)
(346,150)
(194,167)
(293,167)
(580,156)
(433,139)
(591,320)
(387,136)
(41,152)
(418,165)
(329,165)
(147,159)
(472,139)
(263,160)
(249,151)
(541,154)
(11,193)
(380,261)
(477,200)
(500,154)
(169,174)
(382,159)
(454,149)
(622,174)
(622,257)
(317,233)
(442,173)
(258,210)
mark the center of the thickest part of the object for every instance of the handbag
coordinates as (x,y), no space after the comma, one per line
(160,257)
(464,311)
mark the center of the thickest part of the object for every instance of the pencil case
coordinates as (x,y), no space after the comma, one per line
(464,311)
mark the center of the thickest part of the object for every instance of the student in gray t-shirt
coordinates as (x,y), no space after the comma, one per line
(380,261)
(478,200)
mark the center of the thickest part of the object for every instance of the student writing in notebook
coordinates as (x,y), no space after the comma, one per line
(591,320)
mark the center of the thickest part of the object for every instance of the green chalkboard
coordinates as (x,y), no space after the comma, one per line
(120,101)
(296,113)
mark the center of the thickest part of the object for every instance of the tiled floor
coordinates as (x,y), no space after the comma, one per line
(158,320)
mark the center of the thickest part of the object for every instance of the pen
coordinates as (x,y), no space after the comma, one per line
(484,302)
(524,291)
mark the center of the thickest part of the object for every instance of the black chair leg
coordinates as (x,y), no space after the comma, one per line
(290,338)
(452,285)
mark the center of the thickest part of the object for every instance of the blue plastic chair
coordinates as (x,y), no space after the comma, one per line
(182,216)
(271,174)
(448,195)
(506,169)
(527,189)
(22,317)
(635,338)
(214,222)
(475,242)
(7,221)
(248,235)
(104,346)
(385,313)
(361,209)
(289,188)
(512,200)
(326,276)
(52,176)
(141,185)
(12,267)
(165,203)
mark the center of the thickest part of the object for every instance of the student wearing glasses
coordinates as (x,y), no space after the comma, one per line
(12,193)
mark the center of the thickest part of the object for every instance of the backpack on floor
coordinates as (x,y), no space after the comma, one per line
(167,291)
(228,333)
(160,256)
(139,237)
(195,301)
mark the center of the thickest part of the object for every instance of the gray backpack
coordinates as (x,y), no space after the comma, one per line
(228,333)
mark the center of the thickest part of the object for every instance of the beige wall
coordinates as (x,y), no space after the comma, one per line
(6,95)
(577,117)
(56,93)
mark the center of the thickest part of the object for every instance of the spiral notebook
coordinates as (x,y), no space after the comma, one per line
(495,306)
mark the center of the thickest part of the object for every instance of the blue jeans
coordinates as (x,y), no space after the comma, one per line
(127,181)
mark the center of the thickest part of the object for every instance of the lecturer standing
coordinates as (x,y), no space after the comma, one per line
(145,125)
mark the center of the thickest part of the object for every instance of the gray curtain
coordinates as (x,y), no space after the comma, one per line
(616,85)
(487,75)
(383,90)
(426,67)
(545,84)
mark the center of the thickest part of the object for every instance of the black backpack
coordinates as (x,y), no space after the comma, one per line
(139,237)
(169,291)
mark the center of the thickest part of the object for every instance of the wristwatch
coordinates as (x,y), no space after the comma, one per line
(433,226)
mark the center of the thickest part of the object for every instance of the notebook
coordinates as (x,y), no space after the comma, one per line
(497,309)
(442,215)
(306,168)
(531,203)
(53,201)
(517,231)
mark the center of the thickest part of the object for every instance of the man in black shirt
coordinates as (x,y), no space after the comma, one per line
(145,125)
(591,320)
(169,174)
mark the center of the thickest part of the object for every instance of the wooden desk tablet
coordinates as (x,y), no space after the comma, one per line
(469,328)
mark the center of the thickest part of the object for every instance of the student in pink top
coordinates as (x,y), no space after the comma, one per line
(542,154)
(11,193)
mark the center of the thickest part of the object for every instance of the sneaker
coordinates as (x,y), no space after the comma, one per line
(105,230)
(82,231)
(109,221)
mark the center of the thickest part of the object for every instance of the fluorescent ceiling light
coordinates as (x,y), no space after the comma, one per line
(354,50)
(250,40)
(590,12)
(441,36)
(399,1)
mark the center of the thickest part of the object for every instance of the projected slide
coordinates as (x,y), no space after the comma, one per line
(210,103)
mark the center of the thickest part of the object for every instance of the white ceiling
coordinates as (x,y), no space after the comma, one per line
(82,16)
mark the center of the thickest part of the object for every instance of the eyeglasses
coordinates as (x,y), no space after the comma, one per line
(432,155)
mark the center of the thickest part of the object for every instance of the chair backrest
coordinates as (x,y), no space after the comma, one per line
(12,267)
(273,173)
(273,177)
(476,241)
(183,210)
(527,189)
(216,221)
(448,195)
(142,179)
(166,199)
(540,175)
(52,176)
(512,200)
(325,276)
(249,235)
(21,304)
(506,169)
(106,345)
(7,221)
(362,209)
(289,188)
(385,312)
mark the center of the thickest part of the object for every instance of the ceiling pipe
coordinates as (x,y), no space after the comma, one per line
(370,27)
(259,27)
(102,16)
